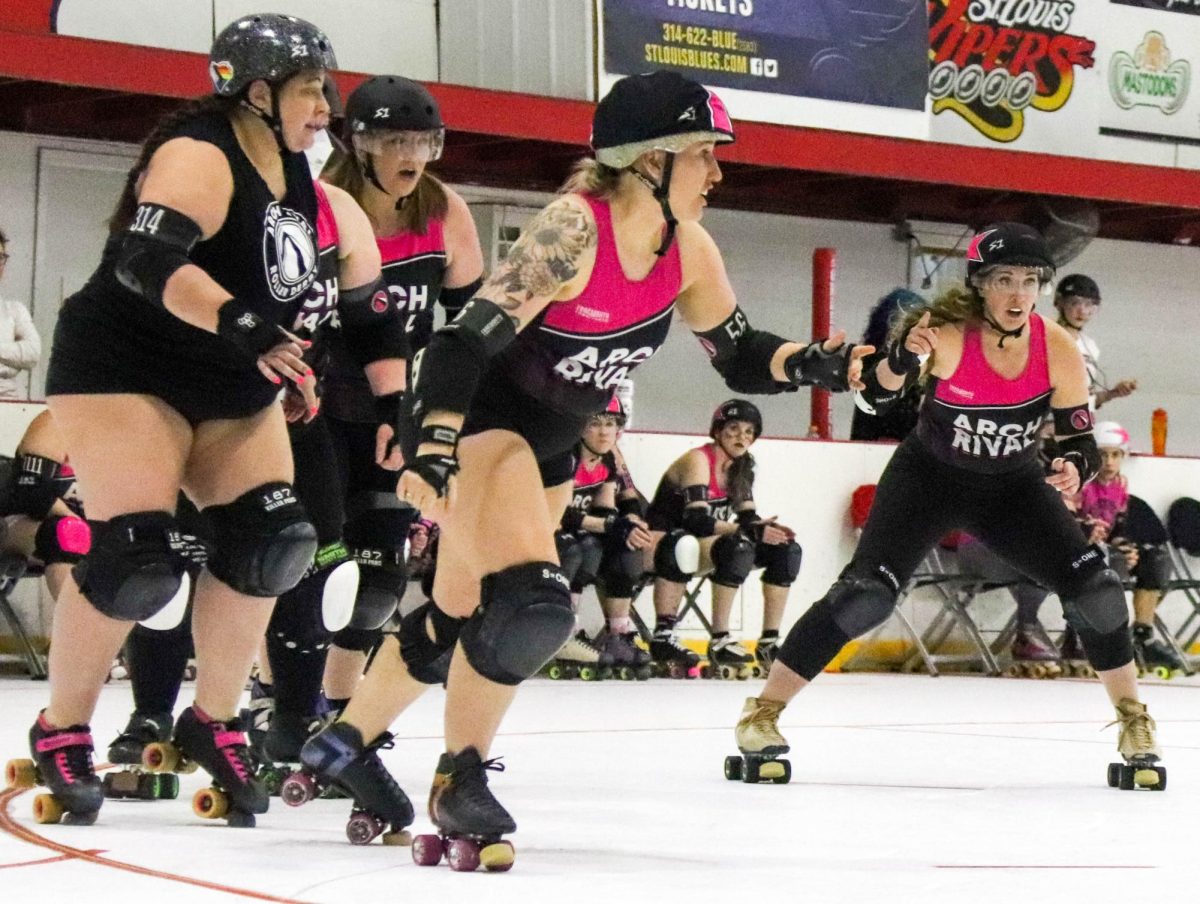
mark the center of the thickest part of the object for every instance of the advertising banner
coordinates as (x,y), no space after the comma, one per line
(1150,89)
(864,51)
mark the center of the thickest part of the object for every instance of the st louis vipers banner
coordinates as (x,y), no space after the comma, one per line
(861,51)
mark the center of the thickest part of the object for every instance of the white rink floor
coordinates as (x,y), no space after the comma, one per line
(906,789)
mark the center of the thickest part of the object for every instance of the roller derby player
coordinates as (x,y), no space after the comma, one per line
(178,341)
(994,370)
(708,493)
(501,395)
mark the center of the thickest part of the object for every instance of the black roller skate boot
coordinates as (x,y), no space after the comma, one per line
(337,757)
(278,753)
(469,819)
(727,659)
(579,658)
(220,749)
(134,781)
(629,661)
(765,653)
(62,762)
(1153,657)
(671,659)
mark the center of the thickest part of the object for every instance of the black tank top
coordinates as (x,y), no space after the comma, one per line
(265,255)
(666,508)
(414,270)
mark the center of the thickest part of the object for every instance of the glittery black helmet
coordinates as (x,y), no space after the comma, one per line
(266,46)
(1014,244)
(736,410)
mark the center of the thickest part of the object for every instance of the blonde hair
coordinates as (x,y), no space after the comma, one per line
(957,305)
(428,200)
(591,177)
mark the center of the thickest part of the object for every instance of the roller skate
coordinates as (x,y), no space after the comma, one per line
(727,659)
(1138,748)
(629,661)
(337,757)
(220,748)
(761,744)
(62,761)
(579,659)
(134,781)
(469,820)
(1033,656)
(671,659)
(1153,657)
(1074,660)
(765,652)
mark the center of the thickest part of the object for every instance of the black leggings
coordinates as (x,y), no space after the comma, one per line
(919,500)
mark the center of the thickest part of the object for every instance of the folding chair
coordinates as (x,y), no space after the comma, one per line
(12,569)
(1183,532)
(1142,526)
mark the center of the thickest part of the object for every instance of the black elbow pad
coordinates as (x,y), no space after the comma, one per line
(449,369)
(742,355)
(156,244)
(454,300)
(699,522)
(1081,450)
(372,325)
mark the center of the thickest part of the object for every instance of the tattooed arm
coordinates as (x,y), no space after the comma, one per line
(553,255)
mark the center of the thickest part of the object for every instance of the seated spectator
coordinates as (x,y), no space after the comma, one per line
(20,345)
(708,493)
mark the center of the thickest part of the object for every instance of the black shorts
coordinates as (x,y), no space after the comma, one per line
(551,434)
(97,352)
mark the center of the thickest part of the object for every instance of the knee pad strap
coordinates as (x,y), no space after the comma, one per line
(428,658)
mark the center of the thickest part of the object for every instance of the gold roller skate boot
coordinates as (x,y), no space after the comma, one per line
(1137,746)
(761,744)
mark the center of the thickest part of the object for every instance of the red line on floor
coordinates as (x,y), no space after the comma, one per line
(12,827)
(58,859)
(1039,866)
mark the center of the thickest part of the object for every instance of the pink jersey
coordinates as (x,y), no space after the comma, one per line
(981,421)
(1104,501)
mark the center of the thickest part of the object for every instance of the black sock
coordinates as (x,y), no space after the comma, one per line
(157,660)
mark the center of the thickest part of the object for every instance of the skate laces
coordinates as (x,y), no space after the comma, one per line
(72,753)
(231,741)
(370,759)
(765,716)
(1136,727)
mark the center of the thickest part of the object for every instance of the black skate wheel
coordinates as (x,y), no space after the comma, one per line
(427,850)
(463,855)
(1162,779)
(168,787)
(146,786)
(498,857)
(80,819)
(363,828)
(47,810)
(733,768)
(750,772)
(643,674)
(706,671)
(1114,775)
(236,819)
(1126,783)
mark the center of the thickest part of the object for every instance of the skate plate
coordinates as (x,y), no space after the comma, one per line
(464,854)
(136,784)
(729,672)
(1034,668)
(1128,776)
(754,769)
(23,774)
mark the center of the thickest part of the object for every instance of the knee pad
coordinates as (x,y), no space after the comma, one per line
(381,587)
(1097,604)
(523,619)
(677,557)
(62,540)
(308,614)
(780,561)
(173,614)
(428,658)
(620,570)
(858,604)
(733,560)
(1153,570)
(591,550)
(34,485)
(357,640)
(570,556)
(133,568)
(263,542)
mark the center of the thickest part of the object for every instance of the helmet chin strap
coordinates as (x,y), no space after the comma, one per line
(366,163)
(662,194)
(583,442)
(1004,334)
(271,120)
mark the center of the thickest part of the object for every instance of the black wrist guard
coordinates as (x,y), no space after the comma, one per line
(572,520)
(750,524)
(630,506)
(813,366)
(619,527)
(249,333)
(435,470)
(901,360)
(438,434)
(388,410)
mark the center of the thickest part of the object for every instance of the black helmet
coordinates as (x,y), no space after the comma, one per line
(656,111)
(391,102)
(1008,243)
(266,46)
(736,410)
(1080,286)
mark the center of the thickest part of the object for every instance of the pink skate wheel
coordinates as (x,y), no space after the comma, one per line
(298,789)
(427,850)
(463,855)
(362,828)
